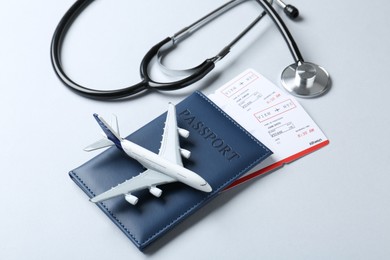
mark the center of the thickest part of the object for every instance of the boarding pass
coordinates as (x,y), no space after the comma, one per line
(272,116)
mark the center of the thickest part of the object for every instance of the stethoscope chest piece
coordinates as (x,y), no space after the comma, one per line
(305,79)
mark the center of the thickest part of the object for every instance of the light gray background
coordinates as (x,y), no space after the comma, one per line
(332,204)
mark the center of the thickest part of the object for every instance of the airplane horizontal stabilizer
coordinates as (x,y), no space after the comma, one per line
(111,137)
(108,131)
(102,143)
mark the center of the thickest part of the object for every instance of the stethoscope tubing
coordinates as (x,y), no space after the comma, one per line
(146,82)
(55,54)
(292,45)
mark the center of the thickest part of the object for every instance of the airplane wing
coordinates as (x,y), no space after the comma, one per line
(170,147)
(146,179)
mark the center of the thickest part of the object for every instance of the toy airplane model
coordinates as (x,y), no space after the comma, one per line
(164,167)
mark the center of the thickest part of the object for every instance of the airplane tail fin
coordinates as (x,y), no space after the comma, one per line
(111,136)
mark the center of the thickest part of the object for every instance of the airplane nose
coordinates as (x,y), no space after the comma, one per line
(206,187)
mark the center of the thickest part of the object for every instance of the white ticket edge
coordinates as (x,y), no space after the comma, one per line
(272,116)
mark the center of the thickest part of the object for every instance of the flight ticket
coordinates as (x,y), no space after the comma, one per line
(272,116)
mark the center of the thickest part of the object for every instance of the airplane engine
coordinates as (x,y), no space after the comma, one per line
(155,191)
(131,199)
(185,153)
(183,132)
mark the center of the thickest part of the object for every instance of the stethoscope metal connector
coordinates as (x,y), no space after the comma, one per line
(305,79)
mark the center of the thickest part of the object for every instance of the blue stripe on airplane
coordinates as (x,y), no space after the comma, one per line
(108,132)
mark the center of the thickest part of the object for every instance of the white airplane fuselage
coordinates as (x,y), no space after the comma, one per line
(155,162)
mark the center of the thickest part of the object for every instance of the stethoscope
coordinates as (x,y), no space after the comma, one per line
(303,79)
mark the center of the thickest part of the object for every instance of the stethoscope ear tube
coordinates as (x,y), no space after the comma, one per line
(283,30)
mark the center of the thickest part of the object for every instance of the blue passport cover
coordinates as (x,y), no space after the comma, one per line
(221,152)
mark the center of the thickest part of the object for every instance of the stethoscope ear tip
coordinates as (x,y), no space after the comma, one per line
(305,79)
(291,11)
